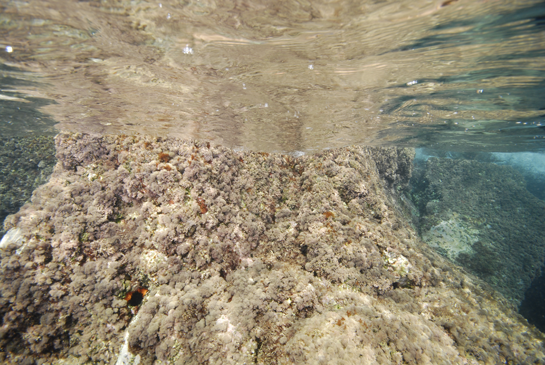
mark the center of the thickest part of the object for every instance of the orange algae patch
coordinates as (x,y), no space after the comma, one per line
(202,205)
(328,214)
(164,157)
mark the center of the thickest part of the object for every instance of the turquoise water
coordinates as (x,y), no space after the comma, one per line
(463,82)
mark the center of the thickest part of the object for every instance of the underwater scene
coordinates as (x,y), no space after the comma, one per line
(258,182)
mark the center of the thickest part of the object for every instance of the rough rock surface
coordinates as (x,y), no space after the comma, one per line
(25,164)
(482,217)
(247,258)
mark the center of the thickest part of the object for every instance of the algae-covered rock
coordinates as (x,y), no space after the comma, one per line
(170,252)
(25,164)
(481,216)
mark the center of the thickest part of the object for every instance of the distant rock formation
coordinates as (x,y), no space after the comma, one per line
(237,258)
(25,164)
(481,216)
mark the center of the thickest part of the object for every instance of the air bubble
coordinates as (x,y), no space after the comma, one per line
(187,49)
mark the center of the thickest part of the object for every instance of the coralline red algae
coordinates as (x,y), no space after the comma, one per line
(260,278)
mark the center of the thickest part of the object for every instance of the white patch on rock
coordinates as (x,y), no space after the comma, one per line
(398,263)
(452,237)
(14,236)
(151,259)
(227,331)
(125,357)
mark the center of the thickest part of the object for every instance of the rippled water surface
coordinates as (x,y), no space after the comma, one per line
(279,76)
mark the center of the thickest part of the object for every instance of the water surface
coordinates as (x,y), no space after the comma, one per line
(286,77)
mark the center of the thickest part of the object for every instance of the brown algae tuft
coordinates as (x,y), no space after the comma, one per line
(164,157)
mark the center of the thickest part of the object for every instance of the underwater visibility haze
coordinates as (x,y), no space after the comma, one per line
(214,182)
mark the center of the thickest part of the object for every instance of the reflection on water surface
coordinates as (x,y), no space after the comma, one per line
(292,76)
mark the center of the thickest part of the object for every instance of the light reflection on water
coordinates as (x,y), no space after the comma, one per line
(293,76)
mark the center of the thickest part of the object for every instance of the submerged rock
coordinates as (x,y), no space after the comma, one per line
(239,258)
(25,164)
(481,216)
